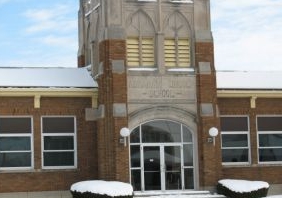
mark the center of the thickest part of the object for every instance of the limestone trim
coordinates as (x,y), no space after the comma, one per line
(163,112)
(38,93)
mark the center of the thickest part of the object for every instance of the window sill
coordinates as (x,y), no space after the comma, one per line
(238,165)
(143,69)
(181,70)
(36,171)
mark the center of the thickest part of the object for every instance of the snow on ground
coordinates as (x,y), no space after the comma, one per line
(242,186)
(110,188)
(114,188)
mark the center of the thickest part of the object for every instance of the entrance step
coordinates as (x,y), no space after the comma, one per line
(177,194)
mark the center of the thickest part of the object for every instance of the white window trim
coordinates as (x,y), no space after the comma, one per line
(20,135)
(237,133)
(59,134)
(266,132)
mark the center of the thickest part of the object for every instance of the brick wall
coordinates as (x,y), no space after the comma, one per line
(113,157)
(81,61)
(51,180)
(209,155)
(254,171)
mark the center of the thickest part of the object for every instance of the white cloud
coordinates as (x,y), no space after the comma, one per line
(57,41)
(55,19)
(3,1)
(247,34)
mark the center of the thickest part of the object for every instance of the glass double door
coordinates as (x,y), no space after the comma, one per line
(162,167)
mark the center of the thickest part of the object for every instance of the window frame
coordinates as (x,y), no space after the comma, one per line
(20,135)
(74,135)
(266,133)
(237,133)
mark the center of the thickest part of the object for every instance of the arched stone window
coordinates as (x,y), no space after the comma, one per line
(140,40)
(177,43)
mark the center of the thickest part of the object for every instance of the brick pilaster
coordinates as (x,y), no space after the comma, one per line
(209,155)
(113,157)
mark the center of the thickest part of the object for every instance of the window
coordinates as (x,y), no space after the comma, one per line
(177,52)
(140,52)
(269,139)
(235,139)
(59,142)
(16,151)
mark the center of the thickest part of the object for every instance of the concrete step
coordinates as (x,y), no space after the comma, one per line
(177,194)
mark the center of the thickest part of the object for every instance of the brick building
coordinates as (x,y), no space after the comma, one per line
(153,61)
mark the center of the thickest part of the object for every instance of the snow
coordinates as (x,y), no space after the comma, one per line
(242,186)
(46,77)
(110,188)
(249,79)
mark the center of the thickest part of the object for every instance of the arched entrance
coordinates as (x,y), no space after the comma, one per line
(162,156)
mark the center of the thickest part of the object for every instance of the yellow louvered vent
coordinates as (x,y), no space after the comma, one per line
(177,52)
(140,52)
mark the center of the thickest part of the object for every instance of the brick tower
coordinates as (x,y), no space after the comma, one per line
(154,63)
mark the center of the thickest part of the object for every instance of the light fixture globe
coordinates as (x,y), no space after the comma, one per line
(213,132)
(124,132)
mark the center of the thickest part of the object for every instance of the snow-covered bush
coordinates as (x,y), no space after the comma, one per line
(242,188)
(101,189)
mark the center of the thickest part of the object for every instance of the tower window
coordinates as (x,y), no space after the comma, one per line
(177,52)
(140,52)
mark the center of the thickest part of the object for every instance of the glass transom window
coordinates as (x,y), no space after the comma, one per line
(235,139)
(269,139)
(59,142)
(16,151)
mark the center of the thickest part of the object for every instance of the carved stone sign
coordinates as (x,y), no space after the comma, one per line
(161,87)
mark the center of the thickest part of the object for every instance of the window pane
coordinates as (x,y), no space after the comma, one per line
(15,144)
(234,124)
(136,180)
(15,125)
(189,178)
(135,135)
(235,155)
(11,160)
(270,140)
(187,135)
(58,143)
(58,158)
(135,156)
(234,140)
(58,125)
(188,154)
(161,131)
(270,155)
(269,123)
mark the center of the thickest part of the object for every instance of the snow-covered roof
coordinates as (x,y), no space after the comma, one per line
(46,77)
(257,80)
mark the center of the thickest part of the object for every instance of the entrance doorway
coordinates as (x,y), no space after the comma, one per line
(162,167)
(162,157)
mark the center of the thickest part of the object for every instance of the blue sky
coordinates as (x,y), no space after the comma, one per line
(38,33)
(247,33)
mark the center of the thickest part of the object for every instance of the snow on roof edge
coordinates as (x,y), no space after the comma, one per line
(46,77)
(249,80)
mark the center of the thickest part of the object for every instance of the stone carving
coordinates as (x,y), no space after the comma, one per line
(161,87)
